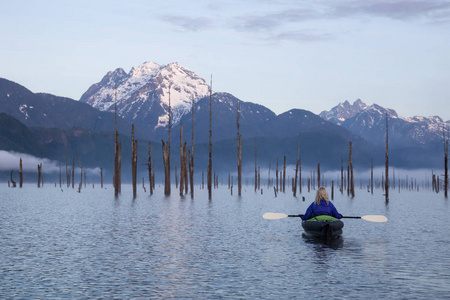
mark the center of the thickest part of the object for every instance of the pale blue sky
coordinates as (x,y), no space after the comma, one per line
(280,53)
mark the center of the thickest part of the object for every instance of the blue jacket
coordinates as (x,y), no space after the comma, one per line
(322,209)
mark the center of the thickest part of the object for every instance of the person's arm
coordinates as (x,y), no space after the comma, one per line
(308,213)
(334,211)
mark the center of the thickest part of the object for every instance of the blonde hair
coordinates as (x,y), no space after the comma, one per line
(321,194)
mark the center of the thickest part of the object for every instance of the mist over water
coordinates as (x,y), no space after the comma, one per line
(57,243)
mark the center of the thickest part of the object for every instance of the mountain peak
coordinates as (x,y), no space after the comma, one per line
(146,69)
(343,111)
(143,93)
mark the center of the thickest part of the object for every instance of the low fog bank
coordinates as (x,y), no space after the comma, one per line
(11,161)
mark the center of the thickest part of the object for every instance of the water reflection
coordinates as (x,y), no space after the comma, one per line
(92,245)
(335,243)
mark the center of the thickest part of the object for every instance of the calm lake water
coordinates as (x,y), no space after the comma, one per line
(65,244)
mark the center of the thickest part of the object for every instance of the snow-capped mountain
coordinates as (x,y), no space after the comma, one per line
(142,95)
(343,111)
(370,123)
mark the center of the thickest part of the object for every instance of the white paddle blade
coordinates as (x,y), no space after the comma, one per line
(375,218)
(274,216)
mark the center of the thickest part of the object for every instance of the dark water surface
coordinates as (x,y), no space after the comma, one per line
(65,244)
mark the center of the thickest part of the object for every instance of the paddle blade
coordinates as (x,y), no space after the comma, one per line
(274,216)
(375,218)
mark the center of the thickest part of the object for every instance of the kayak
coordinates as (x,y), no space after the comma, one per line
(323,226)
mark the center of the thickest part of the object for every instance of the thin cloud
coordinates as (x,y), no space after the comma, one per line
(401,10)
(299,36)
(273,21)
(188,23)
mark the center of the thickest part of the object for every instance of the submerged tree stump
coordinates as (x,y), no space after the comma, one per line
(12,180)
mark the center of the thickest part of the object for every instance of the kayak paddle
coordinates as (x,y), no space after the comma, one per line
(370,218)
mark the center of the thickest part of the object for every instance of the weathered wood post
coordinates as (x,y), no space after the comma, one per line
(284,174)
(300,174)
(239,158)
(12,180)
(181,161)
(166,156)
(134,144)
(294,183)
(256,171)
(185,168)
(191,154)
(318,175)
(176,177)
(117,154)
(276,175)
(101,177)
(149,166)
(446,142)
(73,171)
(352,181)
(371,176)
(386,182)
(342,175)
(20,173)
(332,190)
(39,174)
(210,144)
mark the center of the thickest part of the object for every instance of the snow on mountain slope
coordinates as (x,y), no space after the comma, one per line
(143,93)
(370,122)
(343,111)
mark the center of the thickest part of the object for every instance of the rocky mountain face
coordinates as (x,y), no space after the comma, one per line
(369,122)
(45,110)
(343,111)
(143,94)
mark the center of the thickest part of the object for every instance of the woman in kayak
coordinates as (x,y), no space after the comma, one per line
(321,206)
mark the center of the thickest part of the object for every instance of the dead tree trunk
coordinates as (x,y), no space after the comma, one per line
(332,190)
(166,157)
(119,175)
(276,176)
(318,175)
(73,172)
(256,171)
(12,180)
(371,177)
(294,185)
(348,177)
(67,172)
(284,174)
(134,144)
(185,168)
(191,154)
(101,177)
(352,181)
(116,176)
(386,182)
(20,174)
(446,142)
(300,175)
(182,163)
(259,178)
(210,144)
(39,175)
(153,174)
(239,158)
(149,166)
(342,175)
